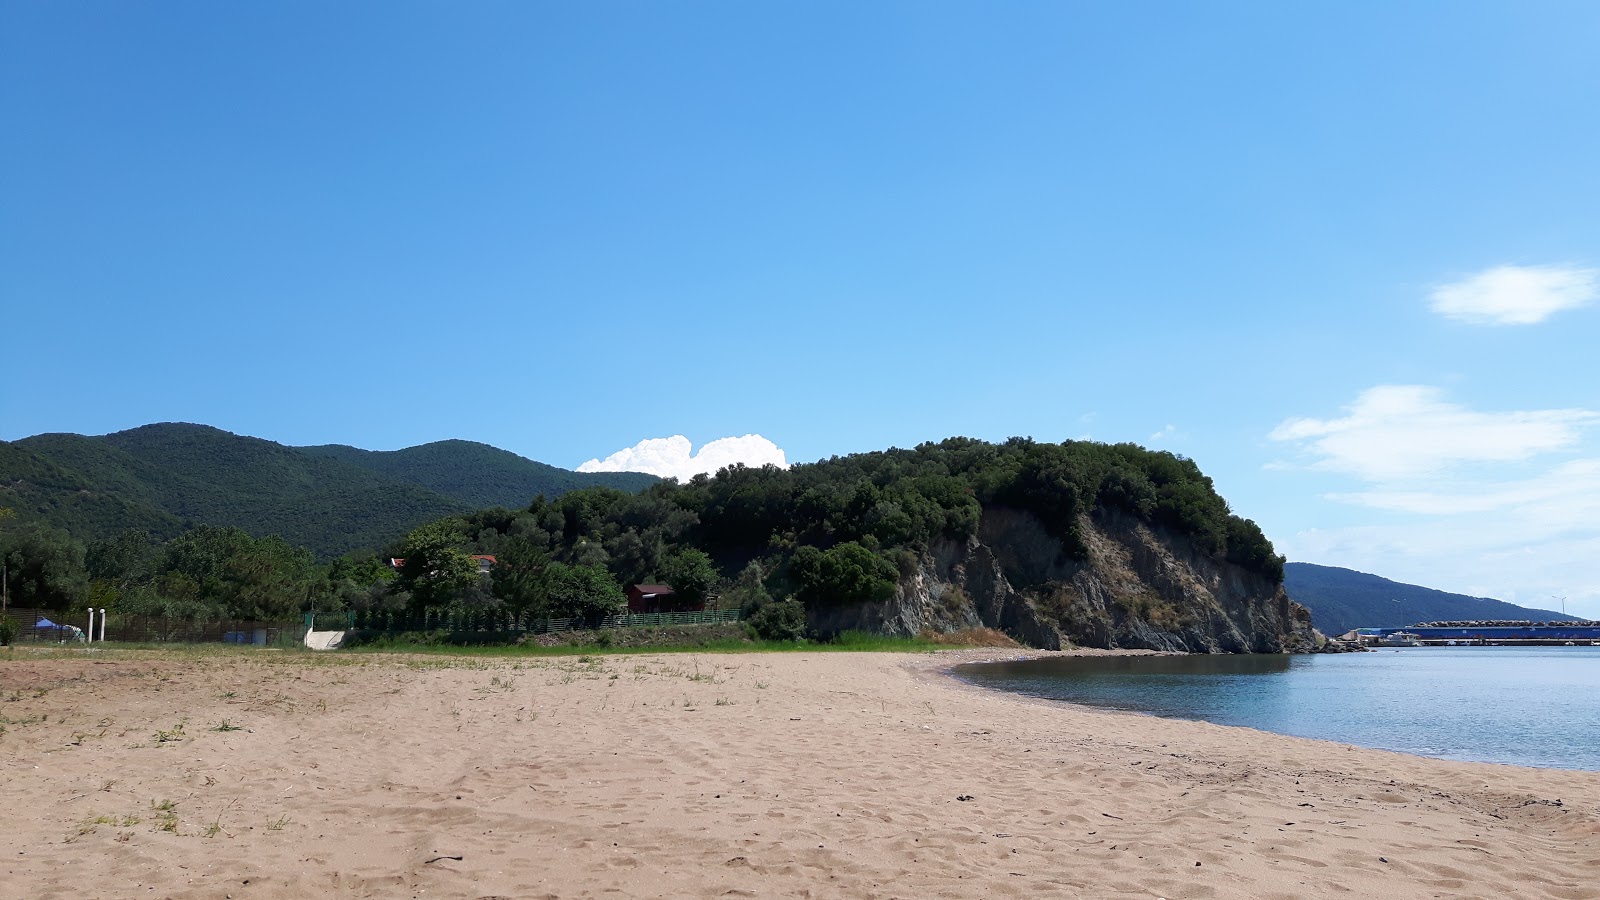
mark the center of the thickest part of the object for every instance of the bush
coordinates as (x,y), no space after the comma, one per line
(784,620)
(847,574)
(8,630)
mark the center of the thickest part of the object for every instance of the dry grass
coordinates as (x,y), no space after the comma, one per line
(971,637)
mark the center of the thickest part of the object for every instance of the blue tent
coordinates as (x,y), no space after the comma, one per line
(61,630)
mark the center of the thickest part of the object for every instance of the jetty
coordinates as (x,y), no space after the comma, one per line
(1483,632)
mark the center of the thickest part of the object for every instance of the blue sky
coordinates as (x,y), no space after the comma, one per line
(1296,242)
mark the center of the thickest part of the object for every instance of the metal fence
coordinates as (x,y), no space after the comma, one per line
(48,626)
(493,622)
(162,630)
(44,626)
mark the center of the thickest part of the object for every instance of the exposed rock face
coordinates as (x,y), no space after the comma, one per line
(1139,587)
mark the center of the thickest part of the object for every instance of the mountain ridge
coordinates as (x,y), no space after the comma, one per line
(1341,599)
(331,498)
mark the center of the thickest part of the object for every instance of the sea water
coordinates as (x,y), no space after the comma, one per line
(1529,706)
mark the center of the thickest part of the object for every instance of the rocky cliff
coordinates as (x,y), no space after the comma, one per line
(1138,587)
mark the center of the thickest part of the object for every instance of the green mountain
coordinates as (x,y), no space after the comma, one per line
(331,499)
(478,474)
(1342,599)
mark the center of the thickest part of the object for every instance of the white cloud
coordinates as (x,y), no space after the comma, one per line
(1516,295)
(1474,555)
(1461,499)
(1163,434)
(1394,432)
(671,457)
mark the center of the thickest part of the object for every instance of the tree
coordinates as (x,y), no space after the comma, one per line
(128,557)
(44,566)
(849,573)
(781,621)
(585,592)
(690,574)
(436,570)
(225,571)
(749,592)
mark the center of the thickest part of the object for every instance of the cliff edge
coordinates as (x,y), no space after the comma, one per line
(1138,586)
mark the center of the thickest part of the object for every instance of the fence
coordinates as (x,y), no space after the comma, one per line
(162,630)
(492,622)
(64,626)
(72,627)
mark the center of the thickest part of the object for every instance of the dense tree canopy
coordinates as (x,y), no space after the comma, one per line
(836,532)
(842,530)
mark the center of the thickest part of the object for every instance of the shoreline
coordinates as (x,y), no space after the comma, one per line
(830,774)
(947,674)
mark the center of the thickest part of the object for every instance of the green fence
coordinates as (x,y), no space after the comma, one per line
(492,622)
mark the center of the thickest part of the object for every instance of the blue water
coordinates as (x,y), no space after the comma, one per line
(1529,706)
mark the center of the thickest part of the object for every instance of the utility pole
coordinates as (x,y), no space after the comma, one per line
(1563,603)
(5,591)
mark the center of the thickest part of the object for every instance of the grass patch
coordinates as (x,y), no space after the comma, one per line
(848,642)
(171,735)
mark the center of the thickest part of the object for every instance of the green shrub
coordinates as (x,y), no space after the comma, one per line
(8,630)
(784,620)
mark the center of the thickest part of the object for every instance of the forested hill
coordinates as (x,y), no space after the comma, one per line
(331,499)
(1095,544)
(478,474)
(1342,599)
(1101,545)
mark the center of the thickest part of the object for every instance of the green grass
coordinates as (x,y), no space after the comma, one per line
(848,642)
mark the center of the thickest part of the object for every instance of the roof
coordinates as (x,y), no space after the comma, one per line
(653,588)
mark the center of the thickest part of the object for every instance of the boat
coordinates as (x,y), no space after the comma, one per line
(1401,639)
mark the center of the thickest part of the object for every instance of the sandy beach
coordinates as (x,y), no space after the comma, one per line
(282,775)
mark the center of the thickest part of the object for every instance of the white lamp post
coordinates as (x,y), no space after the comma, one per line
(91,624)
(102,625)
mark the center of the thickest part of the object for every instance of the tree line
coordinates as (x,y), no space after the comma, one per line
(776,542)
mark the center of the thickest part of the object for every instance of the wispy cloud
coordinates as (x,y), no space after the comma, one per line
(1501,504)
(1516,295)
(672,457)
(1570,492)
(1394,432)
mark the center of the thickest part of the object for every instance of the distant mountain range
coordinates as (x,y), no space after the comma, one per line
(330,498)
(1342,599)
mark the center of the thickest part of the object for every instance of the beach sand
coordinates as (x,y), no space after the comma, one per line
(742,775)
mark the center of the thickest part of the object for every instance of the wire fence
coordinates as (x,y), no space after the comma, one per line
(43,626)
(163,630)
(49,626)
(498,622)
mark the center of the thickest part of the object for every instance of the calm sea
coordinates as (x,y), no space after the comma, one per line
(1530,706)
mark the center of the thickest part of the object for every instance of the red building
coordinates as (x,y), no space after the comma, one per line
(485,562)
(658,598)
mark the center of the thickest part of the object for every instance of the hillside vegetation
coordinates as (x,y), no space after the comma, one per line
(1108,545)
(1342,599)
(331,499)
(477,474)
(811,547)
